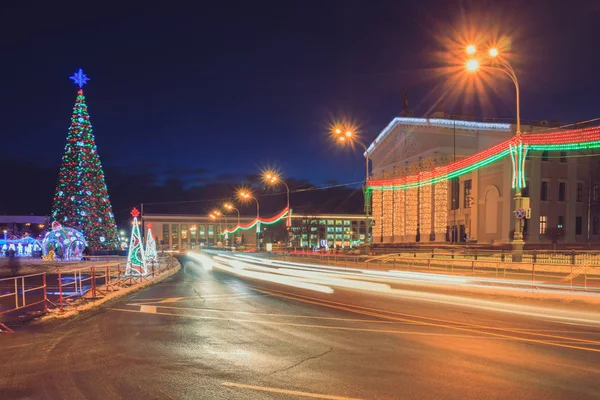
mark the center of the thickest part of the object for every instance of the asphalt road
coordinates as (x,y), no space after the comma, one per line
(205,334)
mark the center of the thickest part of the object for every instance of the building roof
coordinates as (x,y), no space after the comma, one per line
(22,219)
(439,123)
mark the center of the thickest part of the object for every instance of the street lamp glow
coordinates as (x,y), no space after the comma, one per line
(244,194)
(228,206)
(493,52)
(473,65)
(270,177)
(348,133)
(471,49)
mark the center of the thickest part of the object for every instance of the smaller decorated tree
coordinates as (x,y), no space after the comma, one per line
(151,254)
(136,260)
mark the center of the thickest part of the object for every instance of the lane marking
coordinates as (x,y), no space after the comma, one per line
(291,392)
(171,300)
(279,315)
(511,330)
(358,310)
(341,328)
(148,309)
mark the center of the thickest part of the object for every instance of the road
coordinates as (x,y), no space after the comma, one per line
(208,334)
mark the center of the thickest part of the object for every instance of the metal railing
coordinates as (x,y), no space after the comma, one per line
(24,291)
(584,277)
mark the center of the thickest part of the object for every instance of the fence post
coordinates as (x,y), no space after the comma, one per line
(473,268)
(534,255)
(502,256)
(585,276)
(475,253)
(572,259)
(60,292)
(45,293)
(93,276)
(452,251)
(571,276)
(429,265)
(532,275)
(432,253)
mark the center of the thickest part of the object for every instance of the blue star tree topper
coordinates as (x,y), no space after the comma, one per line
(80,78)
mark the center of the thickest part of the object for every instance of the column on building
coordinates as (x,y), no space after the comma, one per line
(440,210)
(399,212)
(387,215)
(377,211)
(412,210)
(425,208)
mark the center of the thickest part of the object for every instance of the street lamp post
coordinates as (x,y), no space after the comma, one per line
(273,178)
(520,202)
(349,136)
(246,195)
(230,207)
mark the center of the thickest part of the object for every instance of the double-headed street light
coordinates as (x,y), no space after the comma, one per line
(498,63)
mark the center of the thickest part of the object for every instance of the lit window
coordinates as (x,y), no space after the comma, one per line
(543,224)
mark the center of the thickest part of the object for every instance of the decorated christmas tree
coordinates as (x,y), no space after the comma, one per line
(151,254)
(136,261)
(81,199)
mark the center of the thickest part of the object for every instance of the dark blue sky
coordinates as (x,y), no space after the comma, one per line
(217,90)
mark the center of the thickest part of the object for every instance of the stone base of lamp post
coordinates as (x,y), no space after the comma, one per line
(517,250)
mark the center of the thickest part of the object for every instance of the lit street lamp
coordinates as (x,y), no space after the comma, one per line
(272,178)
(246,195)
(501,64)
(230,207)
(348,135)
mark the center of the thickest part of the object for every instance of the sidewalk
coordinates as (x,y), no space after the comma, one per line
(33,266)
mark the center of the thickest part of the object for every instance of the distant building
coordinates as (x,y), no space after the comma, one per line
(477,206)
(188,232)
(17,226)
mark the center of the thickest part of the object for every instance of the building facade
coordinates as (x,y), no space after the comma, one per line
(188,232)
(329,230)
(477,206)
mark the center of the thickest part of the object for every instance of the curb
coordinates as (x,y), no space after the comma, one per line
(56,314)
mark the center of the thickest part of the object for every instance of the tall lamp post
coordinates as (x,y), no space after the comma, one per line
(498,63)
(246,195)
(273,178)
(348,135)
(219,215)
(230,207)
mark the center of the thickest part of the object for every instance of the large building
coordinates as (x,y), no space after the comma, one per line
(188,232)
(411,203)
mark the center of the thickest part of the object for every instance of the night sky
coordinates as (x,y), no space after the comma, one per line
(185,96)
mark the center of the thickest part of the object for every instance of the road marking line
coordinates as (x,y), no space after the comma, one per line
(358,310)
(341,328)
(171,300)
(461,326)
(148,309)
(280,315)
(291,392)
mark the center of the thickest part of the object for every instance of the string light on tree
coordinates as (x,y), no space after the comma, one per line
(136,260)
(151,253)
(81,198)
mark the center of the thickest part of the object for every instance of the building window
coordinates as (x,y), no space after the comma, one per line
(578,225)
(580,192)
(202,230)
(455,194)
(543,224)
(330,222)
(166,233)
(561,191)
(347,222)
(174,232)
(544,191)
(184,232)
(595,225)
(544,156)
(560,222)
(563,156)
(467,193)
(338,222)
(211,231)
